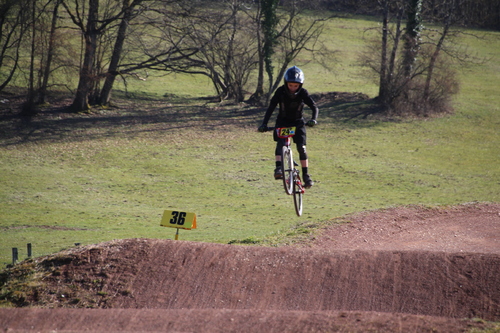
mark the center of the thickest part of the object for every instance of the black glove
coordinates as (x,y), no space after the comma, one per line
(311,123)
(263,128)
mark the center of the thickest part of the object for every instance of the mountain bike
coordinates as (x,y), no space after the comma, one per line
(291,175)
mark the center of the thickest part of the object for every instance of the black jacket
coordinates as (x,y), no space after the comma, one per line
(290,106)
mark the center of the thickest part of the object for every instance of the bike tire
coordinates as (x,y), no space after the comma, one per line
(297,195)
(287,168)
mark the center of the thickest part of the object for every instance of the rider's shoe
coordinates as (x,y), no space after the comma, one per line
(278,174)
(308,182)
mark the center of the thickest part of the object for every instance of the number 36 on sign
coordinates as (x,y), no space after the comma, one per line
(178,219)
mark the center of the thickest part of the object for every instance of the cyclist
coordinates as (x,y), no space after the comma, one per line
(291,98)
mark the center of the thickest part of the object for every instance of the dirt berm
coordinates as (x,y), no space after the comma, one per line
(178,286)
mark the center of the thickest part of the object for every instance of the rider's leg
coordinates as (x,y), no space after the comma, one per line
(277,152)
(304,163)
(305,166)
(277,171)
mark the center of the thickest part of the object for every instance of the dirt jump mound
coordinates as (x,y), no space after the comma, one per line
(151,284)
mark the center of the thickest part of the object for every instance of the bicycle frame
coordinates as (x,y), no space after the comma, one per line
(291,175)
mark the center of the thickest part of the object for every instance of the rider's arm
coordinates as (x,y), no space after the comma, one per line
(272,105)
(312,104)
(315,112)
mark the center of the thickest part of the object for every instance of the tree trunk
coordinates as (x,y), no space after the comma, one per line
(256,97)
(13,25)
(267,22)
(383,82)
(105,95)
(80,103)
(270,21)
(435,54)
(28,108)
(42,93)
(412,36)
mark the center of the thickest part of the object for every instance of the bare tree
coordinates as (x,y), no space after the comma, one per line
(213,40)
(158,35)
(220,41)
(386,67)
(28,107)
(90,32)
(265,17)
(46,70)
(14,22)
(296,34)
(406,65)
(92,25)
(449,16)
(269,25)
(284,32)
(52,51)
(128,10)
(37,74)
(412,35)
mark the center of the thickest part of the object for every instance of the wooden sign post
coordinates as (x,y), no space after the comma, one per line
(178,219)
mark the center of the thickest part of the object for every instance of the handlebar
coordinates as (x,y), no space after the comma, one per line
(267,129)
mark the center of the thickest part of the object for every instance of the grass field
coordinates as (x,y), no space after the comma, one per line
(92,178)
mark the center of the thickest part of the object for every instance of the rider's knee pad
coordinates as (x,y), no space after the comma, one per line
(302,151)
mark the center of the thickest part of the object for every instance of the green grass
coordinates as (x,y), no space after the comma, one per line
(105,177)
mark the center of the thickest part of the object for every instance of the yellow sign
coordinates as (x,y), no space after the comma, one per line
(178,219)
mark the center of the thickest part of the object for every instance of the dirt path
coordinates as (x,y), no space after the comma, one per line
(465,228)
(406,269)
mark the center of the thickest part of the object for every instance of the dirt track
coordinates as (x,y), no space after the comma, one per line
(399,270)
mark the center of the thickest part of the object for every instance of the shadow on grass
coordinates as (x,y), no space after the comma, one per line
(139,115)
(350,110)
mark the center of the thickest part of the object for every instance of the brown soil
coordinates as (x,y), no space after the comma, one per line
(409,269)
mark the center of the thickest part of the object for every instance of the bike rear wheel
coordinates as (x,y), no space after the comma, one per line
(287,168)
(297,194)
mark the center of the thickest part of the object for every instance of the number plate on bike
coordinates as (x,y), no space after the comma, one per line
(285,132)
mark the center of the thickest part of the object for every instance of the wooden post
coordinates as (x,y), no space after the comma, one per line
(29,250)
(14,255)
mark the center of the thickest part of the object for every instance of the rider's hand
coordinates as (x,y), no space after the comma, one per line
(311,123)
(263,128)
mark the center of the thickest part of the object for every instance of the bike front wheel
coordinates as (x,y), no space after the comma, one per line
(287,168)
(298,192)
